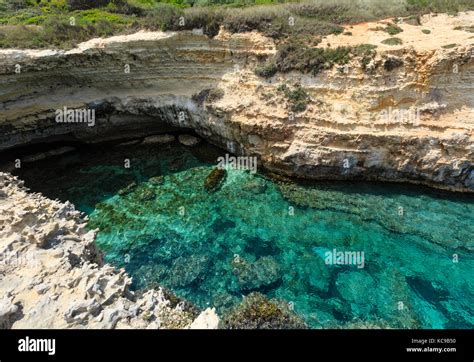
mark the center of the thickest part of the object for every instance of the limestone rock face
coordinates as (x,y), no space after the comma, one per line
(188,140)
(206,320)
(52,275)
(160,139)
(404,115)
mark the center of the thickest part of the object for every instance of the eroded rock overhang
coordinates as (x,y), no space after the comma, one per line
(357,125)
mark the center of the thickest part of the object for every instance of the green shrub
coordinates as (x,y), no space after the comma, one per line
(298,98)
(469,29)
(364,49)
(86,4)
(418,4)
(330,13)
(97,15)
(426,31)
(393,29)
(162,17)
(28,37)
(266,70)
(207,19)
(168,17)
(21,17)
(297,56)
(366,52)
(439,6)
(392,41)
(13,5)
(283,88)
(310,20)
(265,19)
(449,46)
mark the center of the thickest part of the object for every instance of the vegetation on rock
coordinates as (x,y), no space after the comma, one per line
(264,272)
(300,57)
(392,29)
(449,46)
(392,41)
(258,312)
(297,97)
(267,70)
(469,29)
(64,23)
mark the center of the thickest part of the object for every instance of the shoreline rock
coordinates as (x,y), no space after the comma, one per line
(188,140)
(161,139)
(53,275)
(44,155)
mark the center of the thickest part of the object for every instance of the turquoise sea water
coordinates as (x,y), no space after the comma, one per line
(254,234)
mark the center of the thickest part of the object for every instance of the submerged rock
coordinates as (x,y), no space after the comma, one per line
(262,273)
(156,180)
(215,179)
(258,312)
(224,300)
(255,185)
(278,179)
(185,271)
(316,273)
(126,190)
(145,194)
(359,290)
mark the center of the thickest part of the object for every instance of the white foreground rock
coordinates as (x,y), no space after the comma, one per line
(206,320)
(53,276)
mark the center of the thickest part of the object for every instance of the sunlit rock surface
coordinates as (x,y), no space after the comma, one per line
(404,116)
(52,274)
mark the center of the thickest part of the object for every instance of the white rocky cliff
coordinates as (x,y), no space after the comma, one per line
(52,275)
(405,115)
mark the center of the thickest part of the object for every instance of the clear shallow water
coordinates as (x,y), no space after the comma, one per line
(256,235)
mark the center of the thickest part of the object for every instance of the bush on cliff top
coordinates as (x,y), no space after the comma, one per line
(298,56)
(299,20)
